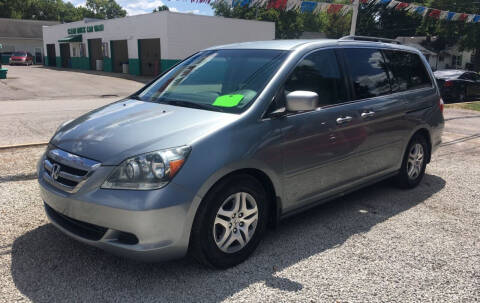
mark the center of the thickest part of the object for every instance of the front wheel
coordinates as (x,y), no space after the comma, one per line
(230,222)
(414,163)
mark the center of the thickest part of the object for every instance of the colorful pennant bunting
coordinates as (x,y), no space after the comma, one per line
(315,7)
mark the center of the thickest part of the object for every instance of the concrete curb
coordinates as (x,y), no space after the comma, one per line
(27,145)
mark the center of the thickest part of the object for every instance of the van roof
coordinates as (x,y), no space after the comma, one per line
(294,44)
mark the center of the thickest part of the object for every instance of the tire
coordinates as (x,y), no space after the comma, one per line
(412,171)
(462,96)
(213,240)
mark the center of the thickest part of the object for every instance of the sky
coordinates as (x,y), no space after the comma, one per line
(135,7)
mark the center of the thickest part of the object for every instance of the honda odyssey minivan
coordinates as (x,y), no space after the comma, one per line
(237,137)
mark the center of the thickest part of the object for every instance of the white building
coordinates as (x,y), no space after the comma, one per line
(453,57)
(22,35)
(449,58)
(149,43)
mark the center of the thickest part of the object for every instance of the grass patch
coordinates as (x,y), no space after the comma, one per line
(466,105)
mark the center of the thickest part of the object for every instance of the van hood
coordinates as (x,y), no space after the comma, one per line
(127,128)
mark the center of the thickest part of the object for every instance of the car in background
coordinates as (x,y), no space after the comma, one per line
(24,58)
(458,85)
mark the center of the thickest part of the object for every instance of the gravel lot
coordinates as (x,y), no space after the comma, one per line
(379,244)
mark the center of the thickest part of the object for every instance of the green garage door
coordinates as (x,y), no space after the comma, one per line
(94,52)
(149,54)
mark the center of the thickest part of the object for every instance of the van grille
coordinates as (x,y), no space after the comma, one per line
(67,171)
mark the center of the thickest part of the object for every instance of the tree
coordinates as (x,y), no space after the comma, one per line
(335,26)
(379,21)
(161,9)
(289,24)
(106,9)
(58,10)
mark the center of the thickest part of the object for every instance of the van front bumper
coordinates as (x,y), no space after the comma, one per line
(151,231)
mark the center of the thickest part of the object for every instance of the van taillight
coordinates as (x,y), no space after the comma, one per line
(448,83)
(441,104)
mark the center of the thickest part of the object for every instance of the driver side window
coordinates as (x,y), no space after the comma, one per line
(318,72)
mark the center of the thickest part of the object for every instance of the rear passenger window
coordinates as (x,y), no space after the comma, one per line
(419,77)
(368,72)
(319,72)
(407,71)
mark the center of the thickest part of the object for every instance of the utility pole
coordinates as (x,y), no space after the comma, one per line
(353,27)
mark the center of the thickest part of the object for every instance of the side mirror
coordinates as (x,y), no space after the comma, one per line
(300,100)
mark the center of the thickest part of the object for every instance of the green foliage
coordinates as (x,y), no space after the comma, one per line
(380,21)
(452,32)
(466,35)
(161,9)
(106,9)
(288,24)
(58,10)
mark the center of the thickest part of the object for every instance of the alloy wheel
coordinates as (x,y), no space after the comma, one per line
(235,222)
(415,161)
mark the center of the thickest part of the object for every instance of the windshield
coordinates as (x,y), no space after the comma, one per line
(19,54)
(219,80)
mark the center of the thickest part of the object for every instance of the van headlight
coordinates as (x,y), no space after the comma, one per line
(148,171)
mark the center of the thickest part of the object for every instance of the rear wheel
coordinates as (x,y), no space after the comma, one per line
(230,222)
(414,163)
(462,96)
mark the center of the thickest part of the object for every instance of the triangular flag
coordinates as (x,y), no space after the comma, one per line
(434,13)
(334,8)
(293,5)
(308,6)
(258,3)
(411,8)
(401,5)
(345,9)
(450,15)
(463,17)
(277,4)
(443,15)
(393,3)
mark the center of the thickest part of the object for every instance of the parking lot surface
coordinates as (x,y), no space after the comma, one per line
(45,83)
(379,244)
(36,99)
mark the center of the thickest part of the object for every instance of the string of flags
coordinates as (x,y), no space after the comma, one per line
(426,11)
(296,5)
(343,9)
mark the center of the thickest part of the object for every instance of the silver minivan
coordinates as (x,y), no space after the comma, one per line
(235,138)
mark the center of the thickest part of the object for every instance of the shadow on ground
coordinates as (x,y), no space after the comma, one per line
(48,266)
(141,79)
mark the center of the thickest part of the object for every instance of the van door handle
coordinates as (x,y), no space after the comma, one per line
(344,120)
(367,115)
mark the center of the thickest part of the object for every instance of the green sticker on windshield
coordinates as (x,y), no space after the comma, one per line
(228,100)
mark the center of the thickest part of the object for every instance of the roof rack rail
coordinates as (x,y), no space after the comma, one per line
(366,38)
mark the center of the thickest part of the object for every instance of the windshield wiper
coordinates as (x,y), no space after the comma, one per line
(192,105)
